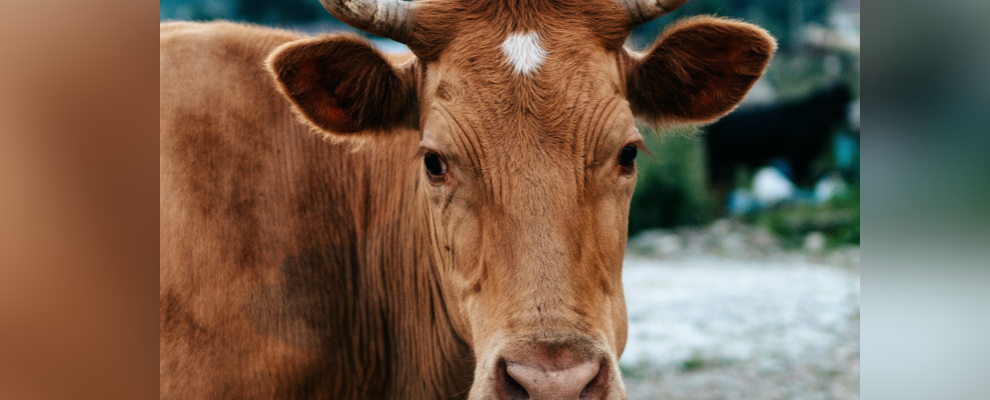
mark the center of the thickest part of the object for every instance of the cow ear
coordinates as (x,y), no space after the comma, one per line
(698,71)
(343,85)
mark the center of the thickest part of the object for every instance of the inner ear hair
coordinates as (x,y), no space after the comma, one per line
(341,84)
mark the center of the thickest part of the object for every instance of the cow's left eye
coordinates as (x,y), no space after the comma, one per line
(628,156)
(435,167)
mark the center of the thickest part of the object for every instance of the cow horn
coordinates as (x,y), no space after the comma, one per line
(388,18)
(643,11)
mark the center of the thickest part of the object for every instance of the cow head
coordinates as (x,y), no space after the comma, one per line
(526,113)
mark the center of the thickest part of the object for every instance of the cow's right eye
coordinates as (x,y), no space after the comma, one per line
(628,156)
(435,167)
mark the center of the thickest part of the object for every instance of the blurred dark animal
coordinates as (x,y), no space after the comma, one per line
(339,223)
(796,132)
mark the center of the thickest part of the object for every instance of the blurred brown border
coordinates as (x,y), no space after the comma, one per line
(77,190)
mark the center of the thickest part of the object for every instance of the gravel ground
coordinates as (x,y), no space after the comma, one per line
(724,313)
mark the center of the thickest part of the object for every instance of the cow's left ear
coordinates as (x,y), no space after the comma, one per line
(698,70)
(342,85)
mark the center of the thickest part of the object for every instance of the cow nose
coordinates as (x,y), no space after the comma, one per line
(538,378)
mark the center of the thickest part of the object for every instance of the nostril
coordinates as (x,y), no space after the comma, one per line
(506,387)
(598,387)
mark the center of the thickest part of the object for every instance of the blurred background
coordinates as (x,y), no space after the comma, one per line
(742,269)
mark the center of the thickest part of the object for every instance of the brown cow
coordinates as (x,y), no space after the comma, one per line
(456,226)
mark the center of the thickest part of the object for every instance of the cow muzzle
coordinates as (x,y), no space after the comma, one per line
(555,373)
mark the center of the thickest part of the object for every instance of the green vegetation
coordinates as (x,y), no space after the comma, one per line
(631,372)
(671,190)
(837,219)
(693,363)
(697,362)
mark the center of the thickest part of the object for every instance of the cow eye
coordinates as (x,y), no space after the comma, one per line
(435,167)
(627,156)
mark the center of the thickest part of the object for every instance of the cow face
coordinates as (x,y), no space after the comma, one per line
(527,164)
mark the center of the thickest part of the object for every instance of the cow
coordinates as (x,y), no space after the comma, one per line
(341,223)
(792,135)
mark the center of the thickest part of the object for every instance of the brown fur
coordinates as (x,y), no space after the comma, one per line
(279,275)
(293,267)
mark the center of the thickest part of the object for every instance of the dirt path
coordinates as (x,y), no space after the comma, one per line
(778,325)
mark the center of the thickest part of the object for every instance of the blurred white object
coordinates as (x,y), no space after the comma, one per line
(771,187)
(841,34)
(669,244)
(814,242)
(760,94)
(830,187)
(845,33)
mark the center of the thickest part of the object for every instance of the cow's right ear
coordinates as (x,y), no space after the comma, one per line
(341,84)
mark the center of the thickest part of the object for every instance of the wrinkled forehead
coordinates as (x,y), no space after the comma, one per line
(445,26)
(525,92)
(527,85)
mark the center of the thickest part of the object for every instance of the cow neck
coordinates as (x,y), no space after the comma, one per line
(429,358)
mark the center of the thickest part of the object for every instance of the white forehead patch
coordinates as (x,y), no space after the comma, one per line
(524,52)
